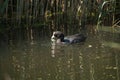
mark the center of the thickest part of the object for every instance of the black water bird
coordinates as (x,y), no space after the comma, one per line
(59,38)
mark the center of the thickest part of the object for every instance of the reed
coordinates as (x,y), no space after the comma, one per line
(59,14)
(107,10)
(101,13)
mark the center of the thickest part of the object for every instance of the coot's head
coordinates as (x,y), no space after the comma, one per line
(57,35)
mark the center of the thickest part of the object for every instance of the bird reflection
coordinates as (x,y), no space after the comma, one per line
(56,50)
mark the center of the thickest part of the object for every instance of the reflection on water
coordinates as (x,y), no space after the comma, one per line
(92,60)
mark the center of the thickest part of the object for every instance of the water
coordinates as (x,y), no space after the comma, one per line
(94,59)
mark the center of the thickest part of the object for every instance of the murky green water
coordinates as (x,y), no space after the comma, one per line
(95,59)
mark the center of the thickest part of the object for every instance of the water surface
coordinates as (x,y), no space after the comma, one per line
(95,59)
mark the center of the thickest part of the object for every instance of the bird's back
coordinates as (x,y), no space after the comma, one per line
(75,38)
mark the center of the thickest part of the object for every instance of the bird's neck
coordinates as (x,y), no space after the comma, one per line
(60,40)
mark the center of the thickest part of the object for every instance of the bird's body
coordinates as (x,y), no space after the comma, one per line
(59,38)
